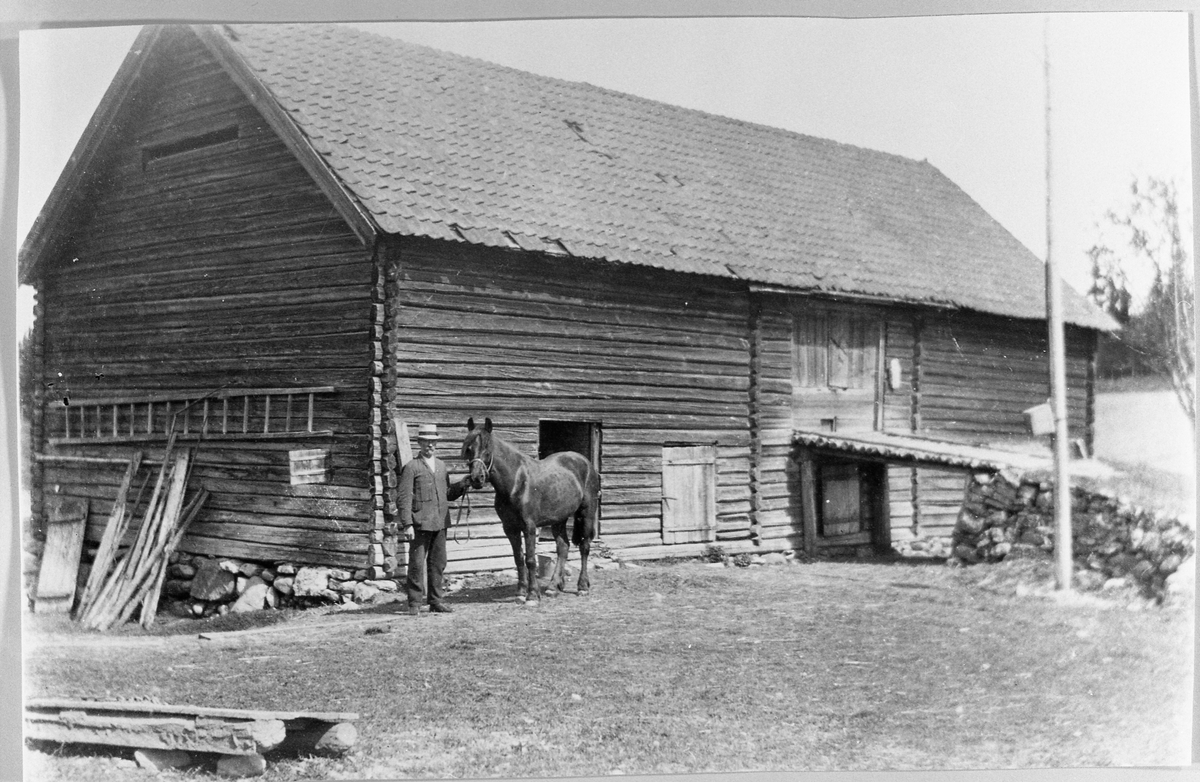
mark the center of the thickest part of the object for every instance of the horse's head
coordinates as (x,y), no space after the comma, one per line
(477,451)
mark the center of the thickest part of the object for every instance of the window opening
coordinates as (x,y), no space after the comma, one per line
(155,152)
(835,350)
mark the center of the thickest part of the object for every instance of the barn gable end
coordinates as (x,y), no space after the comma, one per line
(208,261)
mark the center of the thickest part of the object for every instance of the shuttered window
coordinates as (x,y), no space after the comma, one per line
(835,350)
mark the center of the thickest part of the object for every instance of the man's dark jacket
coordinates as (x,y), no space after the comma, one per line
(425,495)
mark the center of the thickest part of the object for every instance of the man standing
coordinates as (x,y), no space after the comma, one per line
(424,499)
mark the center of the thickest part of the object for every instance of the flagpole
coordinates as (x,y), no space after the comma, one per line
(1058,372)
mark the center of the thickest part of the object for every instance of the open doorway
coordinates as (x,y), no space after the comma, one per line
(579,436)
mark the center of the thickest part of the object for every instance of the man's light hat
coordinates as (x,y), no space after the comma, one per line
(428,432)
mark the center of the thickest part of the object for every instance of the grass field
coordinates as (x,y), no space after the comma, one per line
(682,667)
(1143,425)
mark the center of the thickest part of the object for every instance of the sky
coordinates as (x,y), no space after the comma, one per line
(966,93)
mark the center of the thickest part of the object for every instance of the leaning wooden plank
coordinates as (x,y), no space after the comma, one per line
(137,580)
(150,601)
(110,593)
(149,584)
(191,733)
(114,530)
(149,533)
(158,562)
(66,523)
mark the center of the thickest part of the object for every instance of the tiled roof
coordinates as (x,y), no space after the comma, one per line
(438,145)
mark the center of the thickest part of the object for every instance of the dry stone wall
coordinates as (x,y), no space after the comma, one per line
(1111,537)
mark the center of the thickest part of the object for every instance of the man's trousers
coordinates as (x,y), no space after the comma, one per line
(426,563)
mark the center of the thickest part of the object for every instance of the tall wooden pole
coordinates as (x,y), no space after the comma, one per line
(1058,370)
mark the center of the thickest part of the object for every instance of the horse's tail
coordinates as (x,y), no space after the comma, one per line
(588,514)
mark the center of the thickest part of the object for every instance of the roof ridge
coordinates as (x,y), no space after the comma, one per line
(491,65)
(629,179)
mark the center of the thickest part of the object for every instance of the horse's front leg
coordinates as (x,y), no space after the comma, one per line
(532,592)
(510,522)
(514,540)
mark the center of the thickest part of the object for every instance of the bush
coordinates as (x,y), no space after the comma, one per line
(713,553)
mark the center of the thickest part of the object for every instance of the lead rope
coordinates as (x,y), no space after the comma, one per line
(458,521)
(467,494)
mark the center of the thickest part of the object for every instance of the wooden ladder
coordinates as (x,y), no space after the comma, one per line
(223,414)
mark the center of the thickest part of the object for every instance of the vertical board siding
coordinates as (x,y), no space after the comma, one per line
(656,359)
(219,266)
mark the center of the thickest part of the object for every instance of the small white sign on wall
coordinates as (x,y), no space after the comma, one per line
(309,466)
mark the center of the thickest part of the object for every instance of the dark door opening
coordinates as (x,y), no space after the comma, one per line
(579,436)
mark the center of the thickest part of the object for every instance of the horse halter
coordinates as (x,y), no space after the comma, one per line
(491,460)
(487,469)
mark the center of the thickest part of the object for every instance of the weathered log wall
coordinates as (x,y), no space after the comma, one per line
(654,358)
(209,258)
(780,405)
(777,477)
(960,376)
(977,375)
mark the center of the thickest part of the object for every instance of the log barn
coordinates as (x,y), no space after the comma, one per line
(293,243)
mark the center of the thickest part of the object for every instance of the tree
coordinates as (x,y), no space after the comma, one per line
(1142,276)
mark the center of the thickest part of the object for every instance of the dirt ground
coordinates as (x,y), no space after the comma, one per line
(678,667)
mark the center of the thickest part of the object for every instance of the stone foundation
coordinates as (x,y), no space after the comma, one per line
(198,586)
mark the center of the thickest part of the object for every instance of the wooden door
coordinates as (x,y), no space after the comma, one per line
(841,500)
(689,503)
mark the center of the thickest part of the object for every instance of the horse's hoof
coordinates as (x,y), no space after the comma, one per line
(583,592)
(521,598)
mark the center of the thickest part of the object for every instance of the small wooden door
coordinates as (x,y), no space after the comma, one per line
(842,511)
(689,502)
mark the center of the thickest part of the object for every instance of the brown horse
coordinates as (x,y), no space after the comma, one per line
(532,493)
